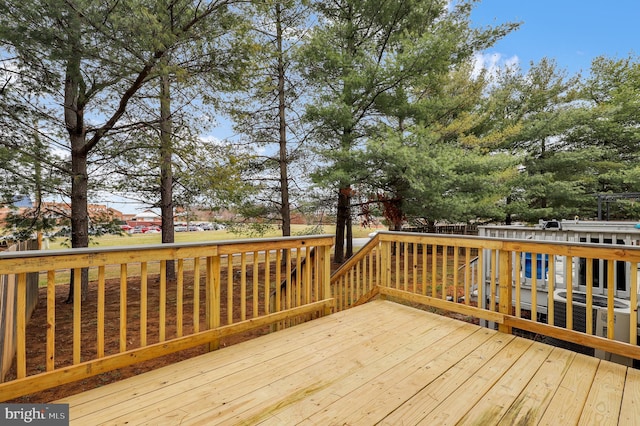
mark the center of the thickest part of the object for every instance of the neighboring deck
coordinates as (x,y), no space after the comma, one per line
(381,362)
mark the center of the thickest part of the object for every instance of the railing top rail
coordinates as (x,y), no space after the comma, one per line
(569,227)
(37,260)
(562,248)
(357,257)
(281,241)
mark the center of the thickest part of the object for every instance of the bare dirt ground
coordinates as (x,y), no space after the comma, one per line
(37,328)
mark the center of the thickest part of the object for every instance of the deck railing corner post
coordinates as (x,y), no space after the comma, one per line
(505,284)
(385,248)
(325,276)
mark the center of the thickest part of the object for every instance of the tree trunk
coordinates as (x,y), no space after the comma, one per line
(285,209)
(79,210)
(349,231)
(38,154)
(342,216)
(74,103)
(166,170)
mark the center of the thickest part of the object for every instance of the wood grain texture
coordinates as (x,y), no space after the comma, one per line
(378,363)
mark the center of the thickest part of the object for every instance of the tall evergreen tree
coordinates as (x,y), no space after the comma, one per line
(28,166)
(91,58)
(433,164)
(608,132)
(363,50)
(533,114)
(266,113)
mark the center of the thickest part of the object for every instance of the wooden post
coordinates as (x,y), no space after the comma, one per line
(385,265)
(162,329)
(213,296)
(505,286)
(325,275)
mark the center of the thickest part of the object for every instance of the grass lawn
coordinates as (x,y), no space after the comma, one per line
(113,271)
(186,237)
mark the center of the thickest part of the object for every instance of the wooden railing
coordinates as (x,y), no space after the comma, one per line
(231,287)
(8,307)
(495,281)
(223,288)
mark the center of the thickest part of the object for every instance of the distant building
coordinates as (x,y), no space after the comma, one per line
(19,205)
(127,217)
(145,218)
(60,212)
(97,212)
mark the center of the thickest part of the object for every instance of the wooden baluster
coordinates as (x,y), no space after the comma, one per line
(633,302)
(230,289)
(518,283)
(467,275)
(101,312)
(243,286)
(21,326)
(255,290)
(179,297)
(196,295)
(589,284)
(267,282)
(123,307)
(51,319)
(77,314)
(143,303)
(434,270)
(456,261)
(163,301)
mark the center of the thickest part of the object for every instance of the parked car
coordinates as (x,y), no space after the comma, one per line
(152,230)
(138,230)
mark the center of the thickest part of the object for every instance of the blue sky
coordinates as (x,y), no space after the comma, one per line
(572,32)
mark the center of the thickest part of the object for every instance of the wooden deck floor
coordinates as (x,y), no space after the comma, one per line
(380,363)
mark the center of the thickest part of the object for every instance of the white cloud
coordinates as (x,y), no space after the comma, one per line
(493,63)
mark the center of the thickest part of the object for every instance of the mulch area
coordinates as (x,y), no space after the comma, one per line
(37,328)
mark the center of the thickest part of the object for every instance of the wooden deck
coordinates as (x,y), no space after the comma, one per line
(380,363)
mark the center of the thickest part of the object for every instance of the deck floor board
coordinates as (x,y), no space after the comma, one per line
(379,363)
(604,401)
(531,403)
(226,381)
(630,410)
(295,413)
(569,398)
(429,389)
